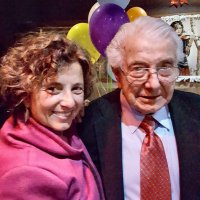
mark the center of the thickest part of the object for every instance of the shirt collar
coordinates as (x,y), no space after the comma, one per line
(162,116)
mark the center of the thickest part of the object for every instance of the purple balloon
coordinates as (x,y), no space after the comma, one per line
(104,24)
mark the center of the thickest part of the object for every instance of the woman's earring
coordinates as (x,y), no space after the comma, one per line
(82,111)
(27,114)
(86,102)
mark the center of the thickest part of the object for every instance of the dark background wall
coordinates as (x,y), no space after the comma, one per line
(18,16)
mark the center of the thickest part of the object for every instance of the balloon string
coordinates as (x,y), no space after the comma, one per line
(101,86)
(110,84)
(98,91)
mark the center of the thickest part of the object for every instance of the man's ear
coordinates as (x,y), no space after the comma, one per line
(117,74)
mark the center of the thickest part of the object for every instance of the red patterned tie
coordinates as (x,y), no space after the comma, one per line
(154,173)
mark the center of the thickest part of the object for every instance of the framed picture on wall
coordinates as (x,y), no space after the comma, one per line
(188,28)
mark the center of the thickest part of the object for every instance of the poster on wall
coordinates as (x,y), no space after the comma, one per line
(188,29)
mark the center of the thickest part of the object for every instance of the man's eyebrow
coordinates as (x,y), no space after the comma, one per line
(146,64)
(138,63)
(168,60)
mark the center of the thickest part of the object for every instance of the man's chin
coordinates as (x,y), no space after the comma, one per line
(145,110)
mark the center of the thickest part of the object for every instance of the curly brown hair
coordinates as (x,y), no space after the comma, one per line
(36,57)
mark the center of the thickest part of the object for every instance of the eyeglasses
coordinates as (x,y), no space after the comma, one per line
(139,75)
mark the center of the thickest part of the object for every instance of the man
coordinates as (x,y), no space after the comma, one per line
(144,56)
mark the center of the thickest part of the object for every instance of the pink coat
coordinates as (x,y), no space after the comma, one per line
(35,163)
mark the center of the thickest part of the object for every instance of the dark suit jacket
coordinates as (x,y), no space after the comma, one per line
(101,133)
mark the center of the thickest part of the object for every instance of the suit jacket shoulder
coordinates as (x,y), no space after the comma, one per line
(104,104)
(188,99)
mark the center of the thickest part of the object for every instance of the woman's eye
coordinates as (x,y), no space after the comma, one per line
(53,90)
(78,90)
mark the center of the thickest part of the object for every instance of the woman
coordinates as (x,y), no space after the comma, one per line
(187,43)
(44,81)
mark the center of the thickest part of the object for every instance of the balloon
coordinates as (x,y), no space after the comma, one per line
(110,73)
(135,12)
(121,3)
(104,24)
(79,33)
(94,7)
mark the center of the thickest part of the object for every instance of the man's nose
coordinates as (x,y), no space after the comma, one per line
(153,80)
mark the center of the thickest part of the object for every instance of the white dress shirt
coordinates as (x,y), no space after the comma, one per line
(132,139)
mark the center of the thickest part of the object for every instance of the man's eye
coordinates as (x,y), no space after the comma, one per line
(166,66)
(164,69)
(138,69)
(78,90)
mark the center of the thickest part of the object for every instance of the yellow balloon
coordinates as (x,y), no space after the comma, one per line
(135,12)
(79,34)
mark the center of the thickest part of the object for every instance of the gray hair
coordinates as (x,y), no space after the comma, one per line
(154,27)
